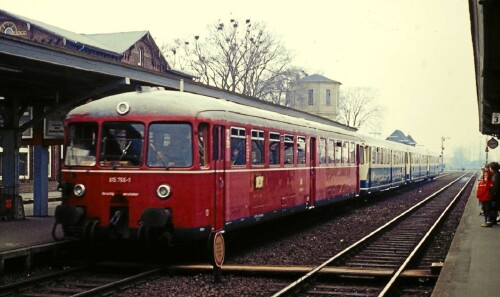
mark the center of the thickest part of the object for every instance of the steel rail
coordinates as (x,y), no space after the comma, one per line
(299,282)
(417,248)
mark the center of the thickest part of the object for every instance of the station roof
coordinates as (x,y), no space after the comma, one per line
(399,136)
(485,24)
(318,78)
(58,78)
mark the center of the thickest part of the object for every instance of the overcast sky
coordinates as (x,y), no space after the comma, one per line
(418,54)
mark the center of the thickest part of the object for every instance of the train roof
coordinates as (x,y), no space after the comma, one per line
(372,141)
(156,102)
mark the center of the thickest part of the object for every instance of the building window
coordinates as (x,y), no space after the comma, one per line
(310,99)
(141,57)
(328,97)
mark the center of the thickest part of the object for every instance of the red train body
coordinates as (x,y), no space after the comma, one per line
(229,166)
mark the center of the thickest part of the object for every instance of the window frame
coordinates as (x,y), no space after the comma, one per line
(289,139)
(274,138)
(257,136)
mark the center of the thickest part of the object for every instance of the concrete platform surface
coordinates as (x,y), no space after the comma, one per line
(472,266)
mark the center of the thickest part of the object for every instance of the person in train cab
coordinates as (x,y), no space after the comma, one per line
(178,152)
(134,151)
(484,195)
(111,148)
(495,189)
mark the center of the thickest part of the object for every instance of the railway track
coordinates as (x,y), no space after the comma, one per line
(340,277)
(391,248)
(88,280)
(373,266)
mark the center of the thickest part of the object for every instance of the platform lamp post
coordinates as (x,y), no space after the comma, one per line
(442,152)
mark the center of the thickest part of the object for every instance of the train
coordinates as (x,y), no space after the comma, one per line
(155,165)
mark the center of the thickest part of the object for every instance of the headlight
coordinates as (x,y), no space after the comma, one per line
(163,191)
(79,190)
(122,108)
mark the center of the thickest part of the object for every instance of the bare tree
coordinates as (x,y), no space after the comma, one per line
(237,56)
(358,107)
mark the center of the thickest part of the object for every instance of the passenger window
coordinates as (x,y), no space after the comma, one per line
(322,151)
(301,150)
(274,148)
(374,155)
(289,142)
(202,144)
(238,146)
(257,147)
(352,152)
(338,152)
(331,149)
(361,155)
(345,153)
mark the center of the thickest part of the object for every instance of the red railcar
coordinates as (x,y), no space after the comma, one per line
(164,165)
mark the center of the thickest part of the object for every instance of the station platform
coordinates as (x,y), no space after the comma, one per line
(30,231)
(472,266)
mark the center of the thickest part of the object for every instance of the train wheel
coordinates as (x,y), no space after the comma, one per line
(90,230)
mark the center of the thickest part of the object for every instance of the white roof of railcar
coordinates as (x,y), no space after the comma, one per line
(158,102)
(372,141)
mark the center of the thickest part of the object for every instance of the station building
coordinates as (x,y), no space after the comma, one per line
(316,94)
(136,48)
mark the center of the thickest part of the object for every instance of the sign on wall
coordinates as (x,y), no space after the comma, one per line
(54,125)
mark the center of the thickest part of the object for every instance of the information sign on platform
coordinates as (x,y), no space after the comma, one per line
(492,143)
(495,118)
(219,249)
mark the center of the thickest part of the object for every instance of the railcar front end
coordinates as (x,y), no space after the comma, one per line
(136,176)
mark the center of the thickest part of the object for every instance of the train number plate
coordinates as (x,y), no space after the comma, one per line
(119,179)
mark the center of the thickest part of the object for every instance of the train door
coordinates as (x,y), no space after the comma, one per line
(218,152)
(360,161)
(312,167)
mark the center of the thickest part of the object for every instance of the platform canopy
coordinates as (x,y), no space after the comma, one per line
(485,27)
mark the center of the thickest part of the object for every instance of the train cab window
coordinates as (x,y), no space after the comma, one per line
(289,153)
(331,149)
(170,145)
(121,144)
(238,146)
(338,152)
(322,151)
(301,150)
(202,144)
(81,144)
(274,148)
(352,152)
(257,155)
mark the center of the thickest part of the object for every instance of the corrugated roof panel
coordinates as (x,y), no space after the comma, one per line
(118,42)
(318,78)
(83,39)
